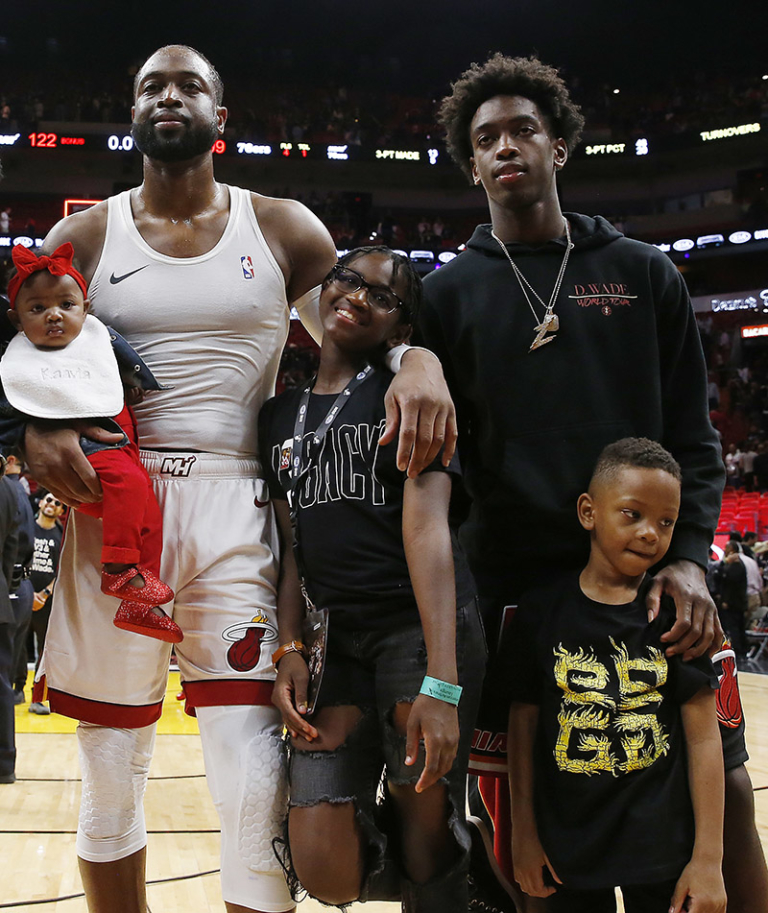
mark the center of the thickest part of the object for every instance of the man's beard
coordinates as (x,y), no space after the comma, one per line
(191,142)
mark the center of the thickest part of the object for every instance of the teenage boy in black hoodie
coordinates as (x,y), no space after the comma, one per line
(557,336)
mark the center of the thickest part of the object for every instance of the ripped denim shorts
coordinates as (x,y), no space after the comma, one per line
(374,671)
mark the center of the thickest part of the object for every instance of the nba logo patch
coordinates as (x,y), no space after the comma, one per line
(247,265)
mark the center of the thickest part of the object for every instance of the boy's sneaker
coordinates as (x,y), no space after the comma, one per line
(489,890)
(18,696)
(40,708)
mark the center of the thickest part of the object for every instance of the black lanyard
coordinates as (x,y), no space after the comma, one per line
(298,468)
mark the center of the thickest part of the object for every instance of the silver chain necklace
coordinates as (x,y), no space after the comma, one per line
(550,322)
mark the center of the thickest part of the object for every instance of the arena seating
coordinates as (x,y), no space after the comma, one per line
(742,511)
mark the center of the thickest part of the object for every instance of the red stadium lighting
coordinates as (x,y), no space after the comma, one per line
(754,332)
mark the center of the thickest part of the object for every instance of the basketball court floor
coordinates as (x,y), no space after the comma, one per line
(38,813)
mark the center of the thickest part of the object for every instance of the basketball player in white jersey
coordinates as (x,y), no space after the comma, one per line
(199,277)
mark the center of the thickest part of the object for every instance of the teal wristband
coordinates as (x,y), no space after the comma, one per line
(442,691)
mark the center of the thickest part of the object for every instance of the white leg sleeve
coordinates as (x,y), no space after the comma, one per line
(115,766)
(245,768)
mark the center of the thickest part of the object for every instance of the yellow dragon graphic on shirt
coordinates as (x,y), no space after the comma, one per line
(597,733)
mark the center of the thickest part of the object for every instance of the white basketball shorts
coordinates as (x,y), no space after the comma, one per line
(220,550)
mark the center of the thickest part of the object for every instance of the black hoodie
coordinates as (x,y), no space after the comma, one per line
(627,361)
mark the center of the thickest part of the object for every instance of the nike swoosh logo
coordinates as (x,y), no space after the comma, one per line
(113,279)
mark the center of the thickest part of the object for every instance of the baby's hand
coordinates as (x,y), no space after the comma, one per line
(133,396)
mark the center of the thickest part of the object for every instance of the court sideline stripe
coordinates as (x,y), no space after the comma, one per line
(30,903)
(31,833)
(79,779)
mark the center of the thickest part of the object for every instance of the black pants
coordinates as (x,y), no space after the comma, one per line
(39,627)
(638,898)
(7,741)
(21,602)
(732,621)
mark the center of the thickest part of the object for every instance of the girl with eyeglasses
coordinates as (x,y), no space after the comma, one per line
(374,552)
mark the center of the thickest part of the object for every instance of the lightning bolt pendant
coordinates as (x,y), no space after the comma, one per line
(550,324)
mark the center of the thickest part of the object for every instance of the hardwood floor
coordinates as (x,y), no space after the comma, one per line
(38,814)
(38,819)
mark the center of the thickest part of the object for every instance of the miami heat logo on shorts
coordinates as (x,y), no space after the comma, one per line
(248,638)
(728,699)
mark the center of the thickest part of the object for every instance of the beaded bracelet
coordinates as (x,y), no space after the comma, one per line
(441,691)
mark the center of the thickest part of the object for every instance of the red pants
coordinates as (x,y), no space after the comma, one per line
(130,514)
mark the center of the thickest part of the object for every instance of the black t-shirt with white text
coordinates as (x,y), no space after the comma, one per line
(611,791)
(350,506)
(45,560)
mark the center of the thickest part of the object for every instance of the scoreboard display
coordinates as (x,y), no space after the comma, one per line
(92,141)
(426,155)
(123,142)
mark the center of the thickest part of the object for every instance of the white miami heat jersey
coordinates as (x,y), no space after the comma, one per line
(212,326)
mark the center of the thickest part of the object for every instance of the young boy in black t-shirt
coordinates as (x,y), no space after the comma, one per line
(405,653)
(602,726)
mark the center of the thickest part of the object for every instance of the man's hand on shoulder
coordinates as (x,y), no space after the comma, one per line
(697,627)
(419,404)
(56,460)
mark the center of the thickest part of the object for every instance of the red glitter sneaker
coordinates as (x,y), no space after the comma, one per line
(154,592)
(136,617)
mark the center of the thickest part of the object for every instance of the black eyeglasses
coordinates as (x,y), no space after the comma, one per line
(378,296)
(49,500)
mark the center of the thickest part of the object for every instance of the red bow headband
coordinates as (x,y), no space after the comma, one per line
(58,264)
